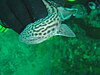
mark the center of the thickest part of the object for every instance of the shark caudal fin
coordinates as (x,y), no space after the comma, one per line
(64,30)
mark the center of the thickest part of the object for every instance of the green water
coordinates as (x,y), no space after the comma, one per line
(56,56)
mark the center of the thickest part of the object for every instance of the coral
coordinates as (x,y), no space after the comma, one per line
(93,18)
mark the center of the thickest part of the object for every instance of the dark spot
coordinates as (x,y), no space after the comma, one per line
(48,31)
(23,37)
(50,22)
(44,33)
(39,33)
(53,29)
(28,33)
(47,21)
(36,34)
(32,34)
(58,19)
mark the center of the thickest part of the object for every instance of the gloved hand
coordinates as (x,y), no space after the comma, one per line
(18,13)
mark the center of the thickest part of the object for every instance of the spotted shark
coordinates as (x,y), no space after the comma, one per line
(50,26)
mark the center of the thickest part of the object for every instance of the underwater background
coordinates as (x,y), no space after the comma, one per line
(58,55)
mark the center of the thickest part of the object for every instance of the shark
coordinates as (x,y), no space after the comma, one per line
(45,28)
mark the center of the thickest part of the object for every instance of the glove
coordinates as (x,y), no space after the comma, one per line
(18,13)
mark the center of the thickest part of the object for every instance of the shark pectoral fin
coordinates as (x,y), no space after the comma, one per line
(66,13)
(64,30)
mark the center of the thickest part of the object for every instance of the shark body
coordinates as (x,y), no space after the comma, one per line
(47,27)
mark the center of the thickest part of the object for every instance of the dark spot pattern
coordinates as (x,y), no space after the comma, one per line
(56,24)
